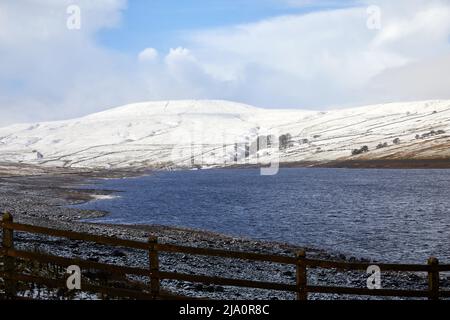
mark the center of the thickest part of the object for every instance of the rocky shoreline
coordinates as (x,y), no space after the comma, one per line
(41,197)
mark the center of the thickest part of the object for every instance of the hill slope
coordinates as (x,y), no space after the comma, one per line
(183,133)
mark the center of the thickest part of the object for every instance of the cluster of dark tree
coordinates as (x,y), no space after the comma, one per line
(382,145)
(430,134)
(285,141)
(39,155)
(362,150)
(262,142)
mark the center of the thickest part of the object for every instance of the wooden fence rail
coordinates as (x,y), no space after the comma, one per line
(301,288)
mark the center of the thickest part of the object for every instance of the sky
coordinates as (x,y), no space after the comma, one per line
(163,23)
(61,59)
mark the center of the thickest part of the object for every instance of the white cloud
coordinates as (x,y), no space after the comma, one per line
(178,57)
(48,71)
(315,60)
(148,54)
(420,80)
(329,57)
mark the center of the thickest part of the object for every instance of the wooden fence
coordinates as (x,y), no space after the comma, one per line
(153,291)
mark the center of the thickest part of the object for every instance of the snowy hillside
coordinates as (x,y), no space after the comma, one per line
(216,133)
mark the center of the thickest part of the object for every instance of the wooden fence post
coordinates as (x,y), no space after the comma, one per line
(8,262)
(154,266)
(302,277)
(433,278)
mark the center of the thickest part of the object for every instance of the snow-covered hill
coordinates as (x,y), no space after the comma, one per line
(208,133)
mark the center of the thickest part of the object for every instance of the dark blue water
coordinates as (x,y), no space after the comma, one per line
(400,215)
